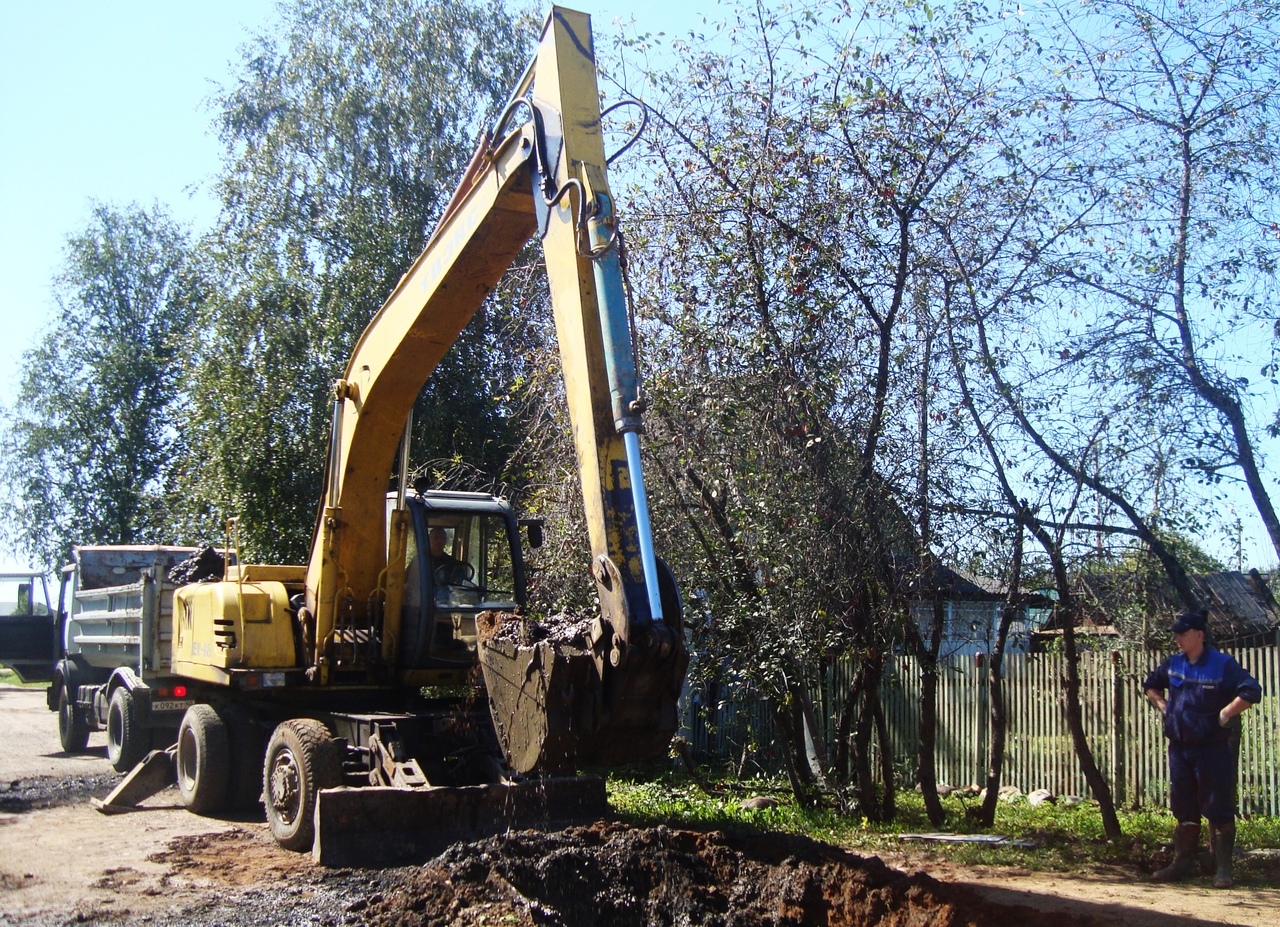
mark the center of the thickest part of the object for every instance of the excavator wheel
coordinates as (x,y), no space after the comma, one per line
(203,759)
(302,759)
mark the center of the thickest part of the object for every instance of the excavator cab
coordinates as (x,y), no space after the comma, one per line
(462,558)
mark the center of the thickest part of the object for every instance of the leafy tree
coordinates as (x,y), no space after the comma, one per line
(345,128)
(90,442)
(1191,555)
(1171,274)
(802,184)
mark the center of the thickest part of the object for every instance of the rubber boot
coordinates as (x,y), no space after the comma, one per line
(1185,840)
(1224,845)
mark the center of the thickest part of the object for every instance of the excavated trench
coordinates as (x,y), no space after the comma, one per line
(606,873)
(620,876)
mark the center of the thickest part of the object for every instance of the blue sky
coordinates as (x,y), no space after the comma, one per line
(102,101)
(106,101)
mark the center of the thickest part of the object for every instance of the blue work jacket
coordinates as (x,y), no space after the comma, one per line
(1197,692)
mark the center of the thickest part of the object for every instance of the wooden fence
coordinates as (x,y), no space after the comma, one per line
(1123,730)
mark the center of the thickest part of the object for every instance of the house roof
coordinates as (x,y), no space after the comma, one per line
(1240,605)
(954,584)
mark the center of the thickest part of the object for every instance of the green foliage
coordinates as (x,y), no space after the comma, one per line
(90,443)
(345,129)
(1192,557)
(1065,837)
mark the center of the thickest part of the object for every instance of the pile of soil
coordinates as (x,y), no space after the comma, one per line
(611,874)
(207,566)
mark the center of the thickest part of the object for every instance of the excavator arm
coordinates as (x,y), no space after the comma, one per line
(547,176)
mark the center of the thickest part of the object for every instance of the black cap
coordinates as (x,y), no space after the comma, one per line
(1190,621)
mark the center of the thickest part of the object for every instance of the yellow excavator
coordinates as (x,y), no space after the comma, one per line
(330,689)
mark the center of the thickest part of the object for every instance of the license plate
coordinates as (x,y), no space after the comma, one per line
(171,706)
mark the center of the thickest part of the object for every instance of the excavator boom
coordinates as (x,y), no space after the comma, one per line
(547,176)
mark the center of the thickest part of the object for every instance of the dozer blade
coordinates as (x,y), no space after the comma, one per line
(379,826)
(553,711)
(155,773)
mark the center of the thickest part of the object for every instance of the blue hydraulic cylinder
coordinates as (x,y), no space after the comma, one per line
(615,324)
(647,560)
(615,327)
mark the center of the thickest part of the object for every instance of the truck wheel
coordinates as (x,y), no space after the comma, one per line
(72,732)
(202,760)
(302,759)
(128,739)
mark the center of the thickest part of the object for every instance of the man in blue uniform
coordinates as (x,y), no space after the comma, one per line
(1206,691)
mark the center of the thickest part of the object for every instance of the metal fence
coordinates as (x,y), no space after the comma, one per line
(1123,730)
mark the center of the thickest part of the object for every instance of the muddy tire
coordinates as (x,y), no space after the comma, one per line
(302,758)
(128,739)
(73,733)
(203,760)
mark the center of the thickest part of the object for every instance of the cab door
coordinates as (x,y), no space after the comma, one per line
(28,627)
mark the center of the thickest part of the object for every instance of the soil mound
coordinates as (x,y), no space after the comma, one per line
(610,874)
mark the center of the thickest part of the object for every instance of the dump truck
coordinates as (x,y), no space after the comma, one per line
(105,649)
(390,691)
(115,637)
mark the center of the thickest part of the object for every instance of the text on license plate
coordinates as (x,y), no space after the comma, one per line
(171,705)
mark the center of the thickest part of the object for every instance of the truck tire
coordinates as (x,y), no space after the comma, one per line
(302,759)
(73,733)
(128,739)
(202,763)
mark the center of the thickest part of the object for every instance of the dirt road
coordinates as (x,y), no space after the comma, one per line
(55,849)
(62,863)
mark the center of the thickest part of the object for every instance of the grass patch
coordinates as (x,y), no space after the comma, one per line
(1067,838)
(9,678)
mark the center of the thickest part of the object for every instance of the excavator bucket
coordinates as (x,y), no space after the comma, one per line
(542,702)
(558,707)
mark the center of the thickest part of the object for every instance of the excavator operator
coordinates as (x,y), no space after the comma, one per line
(448,569)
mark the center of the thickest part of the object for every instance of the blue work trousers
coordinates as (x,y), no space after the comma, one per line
(1202,783)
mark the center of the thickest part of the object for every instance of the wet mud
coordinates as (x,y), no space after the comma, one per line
(23,795)
(564,629)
